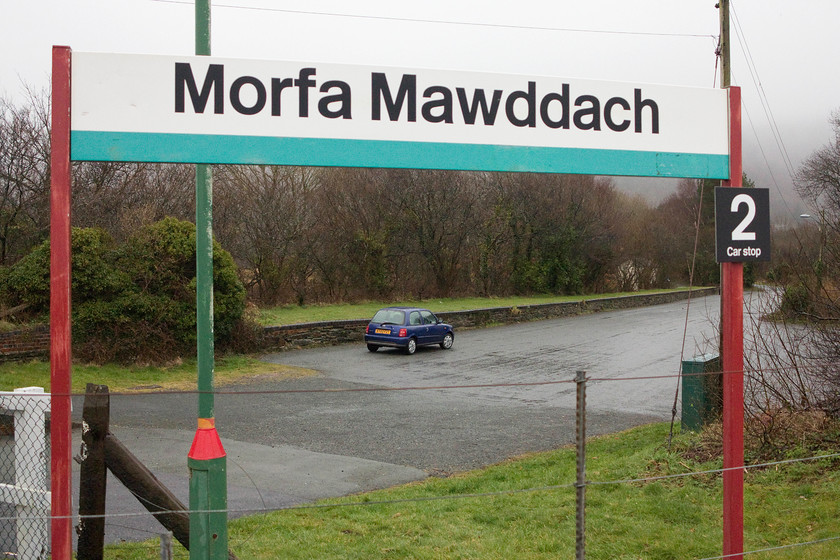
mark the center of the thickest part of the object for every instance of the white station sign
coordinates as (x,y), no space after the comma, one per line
(212,110)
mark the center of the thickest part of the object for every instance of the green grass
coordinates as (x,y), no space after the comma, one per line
(180,376)
(292,314)
(525,509)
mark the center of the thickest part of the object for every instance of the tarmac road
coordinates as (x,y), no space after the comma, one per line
(338,432)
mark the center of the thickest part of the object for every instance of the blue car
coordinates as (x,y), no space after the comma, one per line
(407,328)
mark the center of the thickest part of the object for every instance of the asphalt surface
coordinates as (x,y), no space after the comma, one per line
(372,420)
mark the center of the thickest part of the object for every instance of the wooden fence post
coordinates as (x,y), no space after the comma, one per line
(93,475)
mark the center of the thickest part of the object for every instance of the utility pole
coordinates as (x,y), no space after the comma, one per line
(732,331)
(723,6)
(207,459)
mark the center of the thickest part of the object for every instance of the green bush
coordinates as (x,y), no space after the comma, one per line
(93,276)
(135,302)
(161,260)
(796,300)
(28,282)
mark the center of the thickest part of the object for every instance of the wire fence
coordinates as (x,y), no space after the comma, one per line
(618,377)
(25,515)
(24,483)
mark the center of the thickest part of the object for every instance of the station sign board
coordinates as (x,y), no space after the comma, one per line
(742,224)
(193,109)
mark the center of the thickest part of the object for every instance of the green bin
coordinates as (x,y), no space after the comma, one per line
(702,391)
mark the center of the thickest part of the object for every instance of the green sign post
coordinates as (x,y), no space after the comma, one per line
(207,459)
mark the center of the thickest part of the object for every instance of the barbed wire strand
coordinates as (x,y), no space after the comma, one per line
(772,548)
(714,471)
(422,499)
(618,378)
(130,527)
(436,498)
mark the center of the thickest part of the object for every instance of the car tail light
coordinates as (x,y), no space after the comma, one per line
(367,329)
(403,332)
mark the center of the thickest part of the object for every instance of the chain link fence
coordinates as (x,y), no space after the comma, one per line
(24,474)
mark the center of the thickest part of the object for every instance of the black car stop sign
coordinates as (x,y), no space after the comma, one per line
(742,224)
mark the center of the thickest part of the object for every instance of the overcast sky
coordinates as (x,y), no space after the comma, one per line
(786,51)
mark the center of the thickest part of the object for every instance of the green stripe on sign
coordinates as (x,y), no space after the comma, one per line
(266,150)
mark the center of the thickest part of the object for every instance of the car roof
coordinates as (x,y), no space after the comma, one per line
(405,308)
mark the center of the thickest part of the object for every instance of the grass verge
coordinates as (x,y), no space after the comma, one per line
(292,314)
(525,509)
(180,376)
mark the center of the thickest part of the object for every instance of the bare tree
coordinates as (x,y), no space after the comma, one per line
(355,254)
(493,236)
(818,178)
(792,344)
(124,197)
(267,221)
(438,219)
(638,266)
(818,182)
(24,175)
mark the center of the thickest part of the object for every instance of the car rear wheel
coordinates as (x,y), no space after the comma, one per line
(411,346)
(448,339)
(372,347)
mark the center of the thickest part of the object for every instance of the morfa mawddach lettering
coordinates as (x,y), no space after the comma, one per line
(401,99)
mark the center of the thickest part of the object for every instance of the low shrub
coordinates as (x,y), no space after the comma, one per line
(135,302)
(796,300)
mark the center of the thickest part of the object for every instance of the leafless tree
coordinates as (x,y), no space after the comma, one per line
(818,182)
(792,344)
(638,267)
(124,197)
(818,178)
(268,217)
(355,255)
(438,221)
(24,175)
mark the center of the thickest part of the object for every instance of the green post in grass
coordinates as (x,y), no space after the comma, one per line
(207,460)
(208,495)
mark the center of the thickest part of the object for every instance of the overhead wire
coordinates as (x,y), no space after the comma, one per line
(753,69)
(751,66)
(766,161)
(768,113)
(440,21)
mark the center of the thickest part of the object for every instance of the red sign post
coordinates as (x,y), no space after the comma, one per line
(60,454)
(732,359)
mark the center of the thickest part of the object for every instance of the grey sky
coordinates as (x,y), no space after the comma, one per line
(793,46)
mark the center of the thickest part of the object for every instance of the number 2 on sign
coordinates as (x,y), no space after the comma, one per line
(738,234)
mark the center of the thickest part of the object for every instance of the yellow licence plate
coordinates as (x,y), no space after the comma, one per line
(383,331)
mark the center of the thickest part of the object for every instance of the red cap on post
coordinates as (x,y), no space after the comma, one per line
(206,445)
